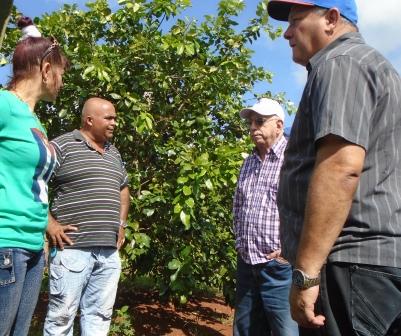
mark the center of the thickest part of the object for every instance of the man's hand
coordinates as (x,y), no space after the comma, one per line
(274,254)
(302,303)
(56,233)
(277,256)
(121,237)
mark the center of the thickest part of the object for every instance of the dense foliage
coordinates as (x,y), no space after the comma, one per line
(178,85)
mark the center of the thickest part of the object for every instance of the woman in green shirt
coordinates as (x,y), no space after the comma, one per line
(26,164)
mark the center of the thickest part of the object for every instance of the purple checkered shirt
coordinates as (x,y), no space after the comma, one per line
(256,218)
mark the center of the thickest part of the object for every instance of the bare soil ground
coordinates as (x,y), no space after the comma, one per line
(201,316)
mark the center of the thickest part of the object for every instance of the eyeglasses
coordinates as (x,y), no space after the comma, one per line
(47,52)
(259,122)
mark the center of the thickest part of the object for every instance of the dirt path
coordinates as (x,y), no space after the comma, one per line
(200,317)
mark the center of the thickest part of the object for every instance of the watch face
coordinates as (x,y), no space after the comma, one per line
(298,278)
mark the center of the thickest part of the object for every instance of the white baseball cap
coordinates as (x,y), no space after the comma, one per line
(264,107)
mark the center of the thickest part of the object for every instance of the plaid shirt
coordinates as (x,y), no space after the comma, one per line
(256,217)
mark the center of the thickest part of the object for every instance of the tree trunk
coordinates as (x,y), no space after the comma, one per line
(4,17)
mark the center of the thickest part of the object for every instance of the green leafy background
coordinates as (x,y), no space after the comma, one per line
(178,85)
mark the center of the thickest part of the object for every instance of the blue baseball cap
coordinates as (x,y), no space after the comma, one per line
(280,9)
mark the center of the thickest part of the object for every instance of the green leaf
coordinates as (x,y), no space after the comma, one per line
(187,190)
(183,299)
(202,159)
(180,49)
(173,277)
(136,7)
(189,49)
(148,212)
(209,184)
(174,264)
(182,179)
(177,208)
(185,219)
(190,202)
(88,70)
(62,113)
(185,252)
(115,96)
(106,76)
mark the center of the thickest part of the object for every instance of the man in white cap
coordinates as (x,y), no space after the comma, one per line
(340,188)
(263,276)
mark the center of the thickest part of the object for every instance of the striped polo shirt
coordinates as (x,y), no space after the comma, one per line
(352,92)
(87,187)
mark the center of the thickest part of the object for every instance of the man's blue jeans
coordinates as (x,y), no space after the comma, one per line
(86,278)
(262,305)
(21,274)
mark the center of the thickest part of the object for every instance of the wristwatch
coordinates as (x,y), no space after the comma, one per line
(301,280)
(123,223)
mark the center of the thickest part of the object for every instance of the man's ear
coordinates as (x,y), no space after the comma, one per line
(89,121)
(332,19)
(280,125)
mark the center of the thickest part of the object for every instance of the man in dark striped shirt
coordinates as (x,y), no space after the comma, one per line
(88,213)
(263,277)
(340,189)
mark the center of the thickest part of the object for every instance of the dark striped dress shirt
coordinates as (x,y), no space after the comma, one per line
(87,188)
(352,92)
(256,218)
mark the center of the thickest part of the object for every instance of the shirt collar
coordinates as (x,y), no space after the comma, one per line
(277,149)
(79,137)
(353,37)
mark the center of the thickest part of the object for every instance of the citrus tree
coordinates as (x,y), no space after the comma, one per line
(178,85)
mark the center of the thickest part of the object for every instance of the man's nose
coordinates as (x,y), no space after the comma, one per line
(252,125)
(287,33)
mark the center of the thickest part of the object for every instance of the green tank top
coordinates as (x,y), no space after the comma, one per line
(26,164)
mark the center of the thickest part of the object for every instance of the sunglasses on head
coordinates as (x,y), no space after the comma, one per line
(47,52)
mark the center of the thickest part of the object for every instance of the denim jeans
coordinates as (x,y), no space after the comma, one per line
(21,274)
(262,306)
(359,300)
(86,279)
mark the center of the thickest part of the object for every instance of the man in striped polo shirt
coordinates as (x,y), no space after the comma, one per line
(263,277)
(340,190)
(88,213)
